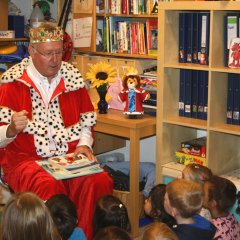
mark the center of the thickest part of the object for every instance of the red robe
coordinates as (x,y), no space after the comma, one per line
(140,96)
(76,110)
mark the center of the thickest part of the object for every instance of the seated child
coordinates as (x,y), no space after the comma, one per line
(159,231)
(198,173)
(183,200)
(64,215)
(112,233)
(26,217)
(154,207)
(110,211)
(220,196)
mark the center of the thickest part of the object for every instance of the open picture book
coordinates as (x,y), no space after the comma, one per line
(64,167)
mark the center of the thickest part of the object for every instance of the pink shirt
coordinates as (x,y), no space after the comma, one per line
(228,228)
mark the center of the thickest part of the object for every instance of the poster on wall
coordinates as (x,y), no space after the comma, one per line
(82,32)
(83,6)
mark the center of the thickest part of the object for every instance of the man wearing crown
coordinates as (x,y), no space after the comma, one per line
(46,111)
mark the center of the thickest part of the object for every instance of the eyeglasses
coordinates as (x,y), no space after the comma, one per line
(49,55)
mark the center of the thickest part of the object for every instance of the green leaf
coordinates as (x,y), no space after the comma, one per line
(51,1)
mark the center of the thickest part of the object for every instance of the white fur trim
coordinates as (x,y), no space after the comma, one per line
(6,114)
(72,77)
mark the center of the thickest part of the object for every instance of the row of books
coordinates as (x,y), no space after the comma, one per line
(231,32)
(193,94)
(136,7)
(127,35)
(233,99)
(194,37)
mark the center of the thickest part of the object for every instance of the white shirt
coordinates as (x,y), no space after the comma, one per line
(46,89)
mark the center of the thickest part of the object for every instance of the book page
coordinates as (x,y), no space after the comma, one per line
(60,174)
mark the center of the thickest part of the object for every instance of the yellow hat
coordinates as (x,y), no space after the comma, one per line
(46,32)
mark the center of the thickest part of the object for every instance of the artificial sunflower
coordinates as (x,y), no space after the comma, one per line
(100,75)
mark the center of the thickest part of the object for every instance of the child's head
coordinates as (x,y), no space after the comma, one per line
(112,232)
(197,173)
(110,211)
(159,231)
(64,214)
(153,204)
(220,194)
(183,198)
(154,207)
(25,217)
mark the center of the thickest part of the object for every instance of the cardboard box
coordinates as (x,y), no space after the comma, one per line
(186,159)
(7,34)
(196,147)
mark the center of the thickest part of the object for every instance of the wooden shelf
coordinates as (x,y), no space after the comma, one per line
(125,55)
(13,39)
(223,140)
(96,16)
(189,122)
(128,16)
(199,5)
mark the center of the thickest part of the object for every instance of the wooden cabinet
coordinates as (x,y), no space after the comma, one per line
(223,140)
(4,15)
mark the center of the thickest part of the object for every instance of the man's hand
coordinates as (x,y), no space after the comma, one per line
(86,151)
(19,121)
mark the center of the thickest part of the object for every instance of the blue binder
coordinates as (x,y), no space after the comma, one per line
(205,94)
(196,37)
(188,93)
(236,99)
(200,113)
(205,26)
(182,37)
(190,37)
(194,93)
(181,103)
(230,98)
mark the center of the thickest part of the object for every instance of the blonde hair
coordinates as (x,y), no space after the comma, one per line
(26,217)
(185,196)
(159,231)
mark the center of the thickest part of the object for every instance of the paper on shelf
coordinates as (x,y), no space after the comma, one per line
(82,32)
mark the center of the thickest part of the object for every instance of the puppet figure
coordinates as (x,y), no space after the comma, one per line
(234,54)
(132,94)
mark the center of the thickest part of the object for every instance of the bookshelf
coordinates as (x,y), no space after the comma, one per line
(223,140)
(101,10)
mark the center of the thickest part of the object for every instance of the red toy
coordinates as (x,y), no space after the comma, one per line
(132,94)
(234,54)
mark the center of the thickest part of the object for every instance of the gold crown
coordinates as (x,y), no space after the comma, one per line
(132,71)
(46,32)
